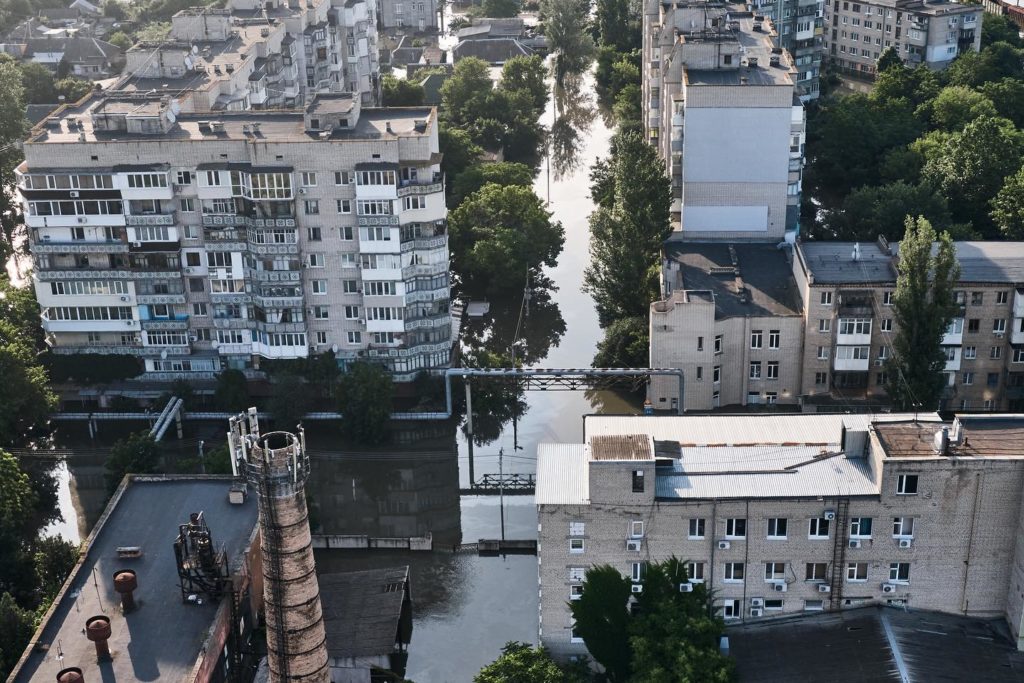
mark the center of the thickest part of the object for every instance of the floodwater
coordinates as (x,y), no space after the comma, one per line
(465,607)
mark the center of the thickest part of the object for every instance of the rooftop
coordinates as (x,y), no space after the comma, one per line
(163,637)
(621,447)
(874,645)
(970,436)
(757,49)
(758,282)
(365,612)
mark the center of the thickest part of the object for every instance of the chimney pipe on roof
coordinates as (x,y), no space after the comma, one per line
(125,583)
(941,441)
(72,674)
(97,629)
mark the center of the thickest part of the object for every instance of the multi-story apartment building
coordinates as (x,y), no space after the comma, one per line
(720,106)
(932,33)
(800,25)
(779,515)
(201,241)
(256,55)
(841,293)
(418,15)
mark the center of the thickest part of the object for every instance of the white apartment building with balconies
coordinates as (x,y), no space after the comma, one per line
(206,241)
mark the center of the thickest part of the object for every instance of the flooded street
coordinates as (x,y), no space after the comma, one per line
(465,606)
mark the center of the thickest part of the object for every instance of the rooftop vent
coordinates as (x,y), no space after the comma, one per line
(751,62)
(774,60)
(72,674)
(940,442)
(217,126)
(125,583)
(97,629)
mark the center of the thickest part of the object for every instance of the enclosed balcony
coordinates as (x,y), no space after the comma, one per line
(852,358)
(954,335)
(853,331)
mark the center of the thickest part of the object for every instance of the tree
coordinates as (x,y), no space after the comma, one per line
(459,151)
(969,168)
(19,307)
(27,398)
(475,177)
(565,27)
(626,236)
(602,617)
(1008,207)
(232,392)
(38,83)
(135,454)
(399,92)
(520,663)
(501,8)
(868,212)
(290,400)
(16,628)
(1008,97)
(364,401)
(499,234)
(526,74)
(461,93)
(625,345)
(997,61)
(18,499)
(73,89)
(54,558)
(12,131)
(114,10)
(923,307)
(617,24)
(889,59)
(627,105)
(999,29)
(956,106)
(121,40)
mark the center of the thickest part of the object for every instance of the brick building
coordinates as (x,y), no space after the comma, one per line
(782,515)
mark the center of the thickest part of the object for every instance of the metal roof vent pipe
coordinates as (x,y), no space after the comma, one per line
(72,674)
(125,583)
(97,629)
(941,441)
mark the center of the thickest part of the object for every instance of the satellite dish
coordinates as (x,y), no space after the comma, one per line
(170,116)
(188,62)
(195,49)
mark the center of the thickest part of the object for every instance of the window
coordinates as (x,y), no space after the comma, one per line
(636,529)
(736,527)
(1018,355)
(977,298)
(355,337)
(346,233)
(695,571)
(344,205)
(903,527)
(899,572)
(638,481)
(823,352)
(826,298)
(195,285)
(816,571)
(999,326)
(321,312)
(574,635)
(824,325)
(321,338)
(774,571)
(906,485)
(731,609)
(887,298)
(312,207)
(375,207)
(993,379)
(733,572)
(814,605)
(821,378)
(187,204)
(314,234)
(351,312)
(857,571)
(716,374)
(1002,297)
(637,571)
(772,369)
(319,286)
(773,339)
(818,528)
(777,527)
(854,326)
(755,339)
(995,352)
(349,286)
(308,179)
(718,343)
(696,528)
(885,324)
(968,379)
(970,352)
(184,178)
(860,527)
(700,374)
(575,591)
(576,546)
(315,260)
(973,325)
(773,605)
(755,369)
(700,343)
(414,202)
(343,178)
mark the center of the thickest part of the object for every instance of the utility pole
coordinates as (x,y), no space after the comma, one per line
(501,489)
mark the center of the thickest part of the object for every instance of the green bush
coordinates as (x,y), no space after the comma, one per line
(91,368)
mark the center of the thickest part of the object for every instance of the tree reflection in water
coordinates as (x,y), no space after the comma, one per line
(574,115)
(532,327)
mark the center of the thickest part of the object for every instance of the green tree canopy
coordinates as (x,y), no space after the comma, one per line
(13,126)
(923,307)
(469,82)
(526,74)
(499,234)
(18,499)
(475,177)
(602,619)
(521,663)
(54,558)
(890,57)
(399,92)
(868,212)
(290,400)
(38,83)
(73,89)
(625,345)
(994,62)
(996,28)
(501,8)
(121,40)
(956,106)
(232,392)
(365,402)
(27,398)
(459,150)
(565,27)
(1008,97)
(16,628)
(1008,207)
(135,454)
(617,24)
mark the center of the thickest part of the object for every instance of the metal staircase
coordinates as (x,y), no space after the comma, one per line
(835,582)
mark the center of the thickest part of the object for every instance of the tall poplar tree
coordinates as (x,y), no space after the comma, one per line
(924,305)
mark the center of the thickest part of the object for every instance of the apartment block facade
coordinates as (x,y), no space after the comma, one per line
(206,241)
(780,515)
(841,293)
(720,106)
(923,32)
(800,25)
(420,16)
(256,55)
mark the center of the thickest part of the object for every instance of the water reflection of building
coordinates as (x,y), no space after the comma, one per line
(398,491)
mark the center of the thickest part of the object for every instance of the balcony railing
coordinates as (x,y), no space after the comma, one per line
(151,219)
(425,243)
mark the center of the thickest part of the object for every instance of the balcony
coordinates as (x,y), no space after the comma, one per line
(366,221)
(150,299)
(276,275)
(47,246)
(232,349)
(851,358)
(414,188)
(954,335)
(216,220)
(427,295)
(425,243)
(1017,331)
(90,325)
(178,322)
(101,220)
(424,269)
(952,358)
(151,219)
(427,322)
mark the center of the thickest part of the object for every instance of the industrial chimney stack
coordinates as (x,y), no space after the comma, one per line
(276,466)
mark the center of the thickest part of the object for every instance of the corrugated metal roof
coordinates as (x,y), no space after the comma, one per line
(562,476)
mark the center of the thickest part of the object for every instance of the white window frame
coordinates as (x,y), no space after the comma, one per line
(814,525)
(730,571)
(698,524)
(777,536)
(577,546)
(731,525)
(903,482)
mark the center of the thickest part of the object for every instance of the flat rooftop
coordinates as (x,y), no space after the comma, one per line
(365,612)
(760,283)
(875,645)
(161,639)
(982,262)
(979,436)
(753,44)
(621,447)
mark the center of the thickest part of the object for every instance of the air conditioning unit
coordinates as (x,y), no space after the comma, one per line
(46,238)
(302,190)
(361,321)
(637,588)
(724,545)
(686,588)
(757,602)
(756,611)
(879,362)
(633,545)
(73,193)
(129,323)
(188,271)
(829,514)
(780,587)
(888,588)
(906,542)
(124,298)
(83,219)
(136,244)
(193,338)
(137,339)
(1000,334)
(824,588)
(854,542)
